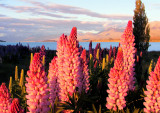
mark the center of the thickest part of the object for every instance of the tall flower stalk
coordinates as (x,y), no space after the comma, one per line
(70,74)
(37,87)
(5,99)
(117,84)
(128,46)
(90,48)
(53,84)
(85,80)
(152,99)
(72,68)
(61,45)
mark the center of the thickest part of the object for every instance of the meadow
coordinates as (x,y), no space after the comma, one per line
(71,79)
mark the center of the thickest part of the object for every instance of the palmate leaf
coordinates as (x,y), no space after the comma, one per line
(77,103)
(94,109)
(134,111)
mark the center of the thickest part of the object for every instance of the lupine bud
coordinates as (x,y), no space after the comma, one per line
(91,64)
(16,73)
(97,55)
(21,82)
(150,66)
(31,58)
(91,56)
(23,90)
(90,48)
(10,85)
(43,60)
(103,64)
(107,60)
(95,65)
(137,58)
(141,54)
(95,51)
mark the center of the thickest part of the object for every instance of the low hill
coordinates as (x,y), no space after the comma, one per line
(2,41)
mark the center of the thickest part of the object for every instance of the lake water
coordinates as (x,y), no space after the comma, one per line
(155,46)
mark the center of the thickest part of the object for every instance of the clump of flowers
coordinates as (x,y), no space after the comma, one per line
(72,68)
(61,44)
(127,41)
(152,99)
(117,84)
(36,87)
(15,107)
(53,84)
(5,99)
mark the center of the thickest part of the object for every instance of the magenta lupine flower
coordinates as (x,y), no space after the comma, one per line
(72,68)
(42,51)
(15,107)
(117,84)
(114,52)
(90,48)
(61,45)
(127,41)
(152,99)
(85,81)
(95,51)
(80,49)
(53,84)
(37,87)
(71,77)
(5,99)
(110,53)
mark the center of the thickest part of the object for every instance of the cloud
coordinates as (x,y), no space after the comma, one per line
(2,34)
(58,11)
(42,29)
(32,10)
(1,28)
(77,10)
(22,24)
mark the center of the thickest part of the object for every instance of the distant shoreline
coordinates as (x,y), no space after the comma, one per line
(97,40)
(2,41)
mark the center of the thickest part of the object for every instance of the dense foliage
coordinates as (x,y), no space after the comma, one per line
(141,28)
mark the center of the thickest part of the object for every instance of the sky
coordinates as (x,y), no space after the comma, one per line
(38,20)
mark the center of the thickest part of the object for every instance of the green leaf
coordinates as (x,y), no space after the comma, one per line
(127,111)
(136,111)
(94,108)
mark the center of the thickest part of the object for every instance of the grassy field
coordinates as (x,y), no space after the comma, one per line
(7,67)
